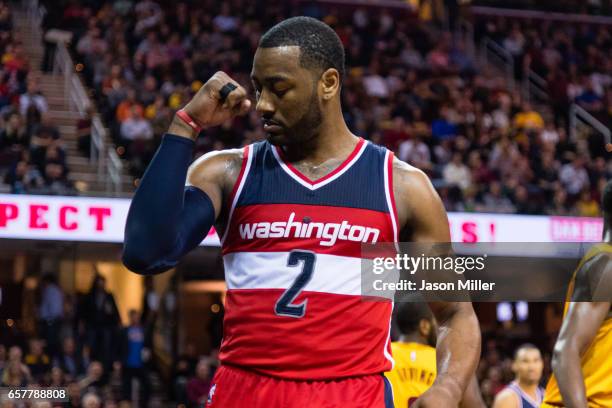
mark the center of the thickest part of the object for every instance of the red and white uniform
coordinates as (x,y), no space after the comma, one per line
(292,255)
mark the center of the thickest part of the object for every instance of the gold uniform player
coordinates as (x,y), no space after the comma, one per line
(415,358)
(582,359)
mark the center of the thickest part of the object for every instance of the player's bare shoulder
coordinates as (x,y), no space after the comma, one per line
(218,168)
(506,398)
(408,177)
(594,279)
(412,189)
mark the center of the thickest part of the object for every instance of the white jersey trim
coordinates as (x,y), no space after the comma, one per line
(315,186)
(388,193)
(249,152)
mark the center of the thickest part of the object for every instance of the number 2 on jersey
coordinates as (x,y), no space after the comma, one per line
(283,304)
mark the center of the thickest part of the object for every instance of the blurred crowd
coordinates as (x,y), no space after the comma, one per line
(410,86)
(595,7)
(32,159)
(81,345)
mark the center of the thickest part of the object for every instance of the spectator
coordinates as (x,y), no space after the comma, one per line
(480,173)
(91,44)
(503,157)
(527,118)
(134,358)
(15,356)
(557,82)
(68,360)
(550,135)
(438,58)
(13,375)
(33,97)
(127,106)
(198,386)
(395,133)
(57,378)
(515,41)
(547,173)
(101,318)
(136,128)
(55,180)
(50,312)
(180,375)
(150,308)
(15,60)
(588,98)
(457,173)
(225,21)
(574,176)
(374,83)
(24,178)
(559,205)
(469,202)
(84,126)
(37,360)
(415,152)
(93,381)
(91,400)
(74,396)
(442,128)
(495,201)
(44,136)
(13,139)
(587,206)
(523,203)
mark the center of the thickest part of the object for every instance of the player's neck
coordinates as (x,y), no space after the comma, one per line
(334,140)
(412,338)
(529,389)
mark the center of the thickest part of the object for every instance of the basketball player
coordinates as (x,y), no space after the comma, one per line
(292,213)
(524,391)
(415,358)
(582,368)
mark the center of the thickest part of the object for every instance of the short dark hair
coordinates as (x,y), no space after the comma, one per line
(606,199)
(410,314)
(524,346)
(320,46)
(49,278)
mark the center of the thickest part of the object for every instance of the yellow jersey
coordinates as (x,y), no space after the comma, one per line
(596,362)
(413,373)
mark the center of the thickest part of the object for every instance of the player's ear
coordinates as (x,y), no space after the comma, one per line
(330,83)
(425,328)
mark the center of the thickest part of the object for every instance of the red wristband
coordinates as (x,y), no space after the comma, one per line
(188,120)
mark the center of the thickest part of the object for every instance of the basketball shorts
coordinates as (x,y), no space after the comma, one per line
(234,387)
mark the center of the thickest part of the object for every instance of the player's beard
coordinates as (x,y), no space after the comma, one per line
(306,128)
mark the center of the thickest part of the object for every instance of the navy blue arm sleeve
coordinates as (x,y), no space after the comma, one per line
(166,219)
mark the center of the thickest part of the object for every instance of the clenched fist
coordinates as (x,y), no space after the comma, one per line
(208,109)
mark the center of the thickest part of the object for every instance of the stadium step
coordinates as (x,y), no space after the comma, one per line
(65,114)
(93,177)
(56,103)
